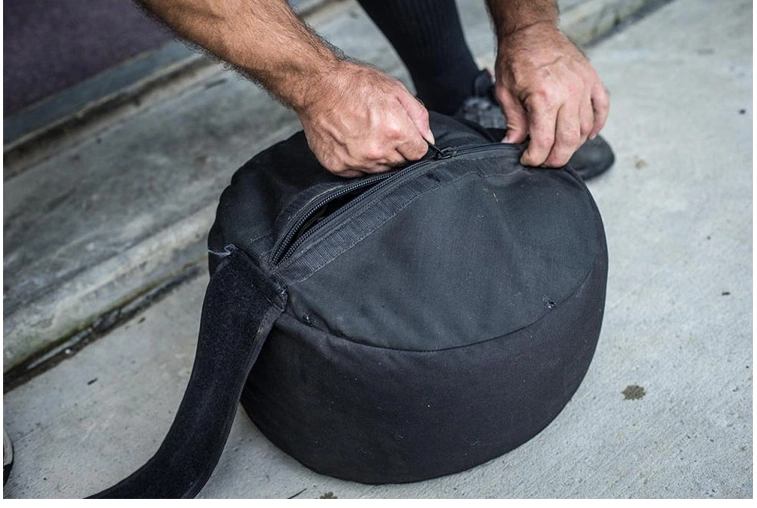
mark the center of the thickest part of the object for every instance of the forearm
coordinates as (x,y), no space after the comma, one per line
(264,39)
(512,15)
(357,120)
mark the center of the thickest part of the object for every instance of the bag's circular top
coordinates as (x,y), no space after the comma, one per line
(446,252)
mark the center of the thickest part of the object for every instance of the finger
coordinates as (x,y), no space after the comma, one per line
(418,114)
(412,147)
(350,173)
(341,166)
(379,168)
(542,131)
(375,150)
(404,141)
(567,137)
(393,160)
(383,154)
(517,119)
(600,101)
(586,114)
(389,158)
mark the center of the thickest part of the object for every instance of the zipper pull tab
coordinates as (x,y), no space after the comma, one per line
(437,152)
(440,153)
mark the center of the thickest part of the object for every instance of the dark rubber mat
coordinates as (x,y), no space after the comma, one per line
(50,46)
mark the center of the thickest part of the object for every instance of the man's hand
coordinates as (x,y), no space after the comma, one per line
(545,85)
(357,120)
(360,121)
(550,91)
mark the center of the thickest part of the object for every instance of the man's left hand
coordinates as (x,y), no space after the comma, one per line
(550,92)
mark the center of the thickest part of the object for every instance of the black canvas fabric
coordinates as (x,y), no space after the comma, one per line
(409,325)
(239,309)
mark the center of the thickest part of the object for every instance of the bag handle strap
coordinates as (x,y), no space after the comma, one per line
(241,305)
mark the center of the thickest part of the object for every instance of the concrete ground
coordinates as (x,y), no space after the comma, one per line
(666,408)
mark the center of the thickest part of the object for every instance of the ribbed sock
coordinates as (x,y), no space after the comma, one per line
(428,37)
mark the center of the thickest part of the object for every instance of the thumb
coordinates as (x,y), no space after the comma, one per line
(418,115)
(517,119)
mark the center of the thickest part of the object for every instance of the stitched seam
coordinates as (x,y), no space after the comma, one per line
(499,337)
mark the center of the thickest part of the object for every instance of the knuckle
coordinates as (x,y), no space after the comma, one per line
(373,153)
(601,99)
(392,130)
(537,98)
(532,159)
(396,161)
(557,161)
(576,87)
(571,138)
(543,94)
(586,126)
(418,150)
(422,113)
(338,169)
(542,142)
(378,168)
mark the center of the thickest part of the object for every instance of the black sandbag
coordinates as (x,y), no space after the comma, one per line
(424,321)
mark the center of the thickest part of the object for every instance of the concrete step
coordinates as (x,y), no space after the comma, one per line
(122,209)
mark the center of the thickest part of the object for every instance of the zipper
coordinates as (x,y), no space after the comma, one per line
(312,210)
(298,233)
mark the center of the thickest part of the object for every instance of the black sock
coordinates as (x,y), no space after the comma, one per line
(429,39)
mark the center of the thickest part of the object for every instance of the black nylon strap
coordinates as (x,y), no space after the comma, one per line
(240,307)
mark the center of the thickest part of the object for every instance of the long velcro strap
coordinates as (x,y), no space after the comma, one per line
(240,307)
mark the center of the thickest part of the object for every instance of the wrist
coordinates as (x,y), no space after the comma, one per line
(293,77)
(300,86)
(535,26)
(327,87)
(311,86)
(512,16)
(534,39)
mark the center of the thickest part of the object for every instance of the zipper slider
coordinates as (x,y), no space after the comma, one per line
(437,153)
(440,153)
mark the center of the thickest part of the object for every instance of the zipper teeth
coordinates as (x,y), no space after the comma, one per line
(381,181)
(380,185)
(320,203)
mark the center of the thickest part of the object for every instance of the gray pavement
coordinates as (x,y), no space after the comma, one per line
(677,208)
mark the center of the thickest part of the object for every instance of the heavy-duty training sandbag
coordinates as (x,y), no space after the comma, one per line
(392,328)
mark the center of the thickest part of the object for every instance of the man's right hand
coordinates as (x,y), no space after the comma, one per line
(360,121)
(357,120)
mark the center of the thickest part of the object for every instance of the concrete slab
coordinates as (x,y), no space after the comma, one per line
(119,211)
(678,214)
